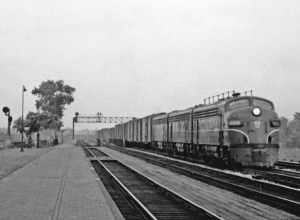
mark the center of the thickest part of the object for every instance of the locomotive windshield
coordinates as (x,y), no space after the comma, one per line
(263,104)
(240,103)
(247,101)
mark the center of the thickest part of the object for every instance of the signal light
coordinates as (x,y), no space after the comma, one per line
(75,119)
(5,110)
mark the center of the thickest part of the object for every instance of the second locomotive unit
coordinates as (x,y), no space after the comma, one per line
(237,129)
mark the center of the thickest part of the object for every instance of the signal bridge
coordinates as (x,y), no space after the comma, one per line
(98,118)
(102,119)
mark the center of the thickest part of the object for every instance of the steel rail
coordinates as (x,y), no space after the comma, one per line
(128,205)
(87,152)
(97,152)
(150,215)
(278,176)
(291,165)
(282,197)
(193,211)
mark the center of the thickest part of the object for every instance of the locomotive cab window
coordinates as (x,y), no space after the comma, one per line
(263,104)
(241,103)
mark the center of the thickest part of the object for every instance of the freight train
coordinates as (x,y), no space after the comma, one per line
(235,129)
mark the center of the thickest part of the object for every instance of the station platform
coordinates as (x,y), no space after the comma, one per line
(58,185)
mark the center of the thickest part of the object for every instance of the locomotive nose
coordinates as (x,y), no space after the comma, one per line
(257,131)
(262,127)
(259,126)
(264,154)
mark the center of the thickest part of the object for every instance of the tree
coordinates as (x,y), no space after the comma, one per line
(294,131)
(32,122)
(297,115)
(36,121)
(283,133)
(18,124)
(52,99)
(53,96)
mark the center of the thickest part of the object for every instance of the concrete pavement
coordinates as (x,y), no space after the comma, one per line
(58,185)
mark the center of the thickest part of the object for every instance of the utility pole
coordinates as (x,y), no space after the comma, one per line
(22,132)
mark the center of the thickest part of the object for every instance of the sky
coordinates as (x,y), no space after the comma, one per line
(137,57)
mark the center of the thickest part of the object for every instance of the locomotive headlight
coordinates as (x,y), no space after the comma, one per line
(256,111)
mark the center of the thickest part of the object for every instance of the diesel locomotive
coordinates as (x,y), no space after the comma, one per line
(234,129)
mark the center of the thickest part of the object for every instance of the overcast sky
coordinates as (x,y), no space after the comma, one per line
(135,57)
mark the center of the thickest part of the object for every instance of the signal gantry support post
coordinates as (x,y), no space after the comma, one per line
(75,119)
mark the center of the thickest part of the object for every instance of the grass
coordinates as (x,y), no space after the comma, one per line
(12,159)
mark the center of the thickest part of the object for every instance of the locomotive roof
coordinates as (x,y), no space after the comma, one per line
(155,114)
(201,107)
(220,104)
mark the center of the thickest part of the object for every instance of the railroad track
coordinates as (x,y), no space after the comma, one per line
(138,197)
(290,165)
(284,177)
(97,152)
(92,151)
(287,172)
(87,152)
(287,178)
(282,197)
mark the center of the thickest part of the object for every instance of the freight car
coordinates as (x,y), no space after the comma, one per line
(236,129)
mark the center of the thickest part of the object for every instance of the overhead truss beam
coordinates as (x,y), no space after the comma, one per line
(102,119)
(98,118)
